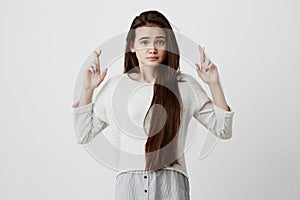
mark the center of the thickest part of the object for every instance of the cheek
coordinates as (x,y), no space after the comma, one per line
(163,53)
(141,52)
(139,55)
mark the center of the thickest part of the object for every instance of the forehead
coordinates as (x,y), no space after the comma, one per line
(150,32)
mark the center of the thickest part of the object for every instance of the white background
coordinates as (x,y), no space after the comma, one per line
(255,44)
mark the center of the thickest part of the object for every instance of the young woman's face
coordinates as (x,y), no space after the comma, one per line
(149,45)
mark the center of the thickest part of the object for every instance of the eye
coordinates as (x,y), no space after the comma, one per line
(144,42)
(160,42)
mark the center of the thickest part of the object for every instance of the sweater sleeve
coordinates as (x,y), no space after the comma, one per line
(87,121)
(212,117)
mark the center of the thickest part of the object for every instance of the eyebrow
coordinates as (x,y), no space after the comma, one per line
(157,37)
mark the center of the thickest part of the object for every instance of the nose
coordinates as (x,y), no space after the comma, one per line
(151,47)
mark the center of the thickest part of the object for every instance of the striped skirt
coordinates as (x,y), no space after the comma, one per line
(160,185)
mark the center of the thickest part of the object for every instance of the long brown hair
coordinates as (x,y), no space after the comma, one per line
(161,145)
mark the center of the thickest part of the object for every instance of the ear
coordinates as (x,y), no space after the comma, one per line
(132,49)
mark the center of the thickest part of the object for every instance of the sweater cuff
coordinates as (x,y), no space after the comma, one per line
(82,109)
(223,113)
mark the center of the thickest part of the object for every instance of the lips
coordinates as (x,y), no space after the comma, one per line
(152,58)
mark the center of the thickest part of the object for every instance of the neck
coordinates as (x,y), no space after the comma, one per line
(147,74)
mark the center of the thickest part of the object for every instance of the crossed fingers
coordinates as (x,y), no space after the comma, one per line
(96,63)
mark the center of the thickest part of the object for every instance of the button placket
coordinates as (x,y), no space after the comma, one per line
(146,185)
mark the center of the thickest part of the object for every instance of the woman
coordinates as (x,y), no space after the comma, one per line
(152,59)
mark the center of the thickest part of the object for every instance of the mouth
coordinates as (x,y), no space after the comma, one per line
(152,58)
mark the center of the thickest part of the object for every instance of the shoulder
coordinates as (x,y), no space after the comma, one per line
(190,85)
(110,82)
(114,79)
(185,77)
(107,86)
(188,78)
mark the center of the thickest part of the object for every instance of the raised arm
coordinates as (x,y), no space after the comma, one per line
(87,123)
(208,72)
(92,79)
(214,114)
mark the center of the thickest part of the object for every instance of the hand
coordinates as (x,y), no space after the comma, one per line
(208,71)
(93,76)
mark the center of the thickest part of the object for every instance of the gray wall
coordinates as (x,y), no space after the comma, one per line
(44,43)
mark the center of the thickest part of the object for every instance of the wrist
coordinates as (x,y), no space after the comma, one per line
(87,91)
(86,94)
(216,84)
(86,97)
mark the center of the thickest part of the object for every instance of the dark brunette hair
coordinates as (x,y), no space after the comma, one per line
(161,145)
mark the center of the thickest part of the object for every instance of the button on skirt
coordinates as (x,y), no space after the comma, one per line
(158,185)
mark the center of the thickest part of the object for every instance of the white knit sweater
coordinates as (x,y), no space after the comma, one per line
(120,108)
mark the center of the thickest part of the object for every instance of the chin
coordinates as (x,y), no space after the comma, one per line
(152,64)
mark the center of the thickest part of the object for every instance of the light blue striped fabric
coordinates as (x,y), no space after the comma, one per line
(160,185)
